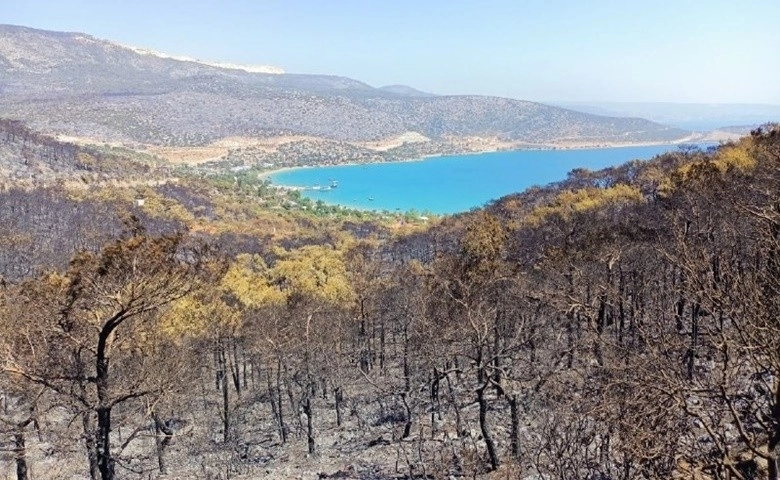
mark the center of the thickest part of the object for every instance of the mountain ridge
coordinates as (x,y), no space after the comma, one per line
(406,90)
(76,85)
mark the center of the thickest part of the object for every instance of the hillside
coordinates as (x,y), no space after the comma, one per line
(620,323)
(80,86)
(28,157)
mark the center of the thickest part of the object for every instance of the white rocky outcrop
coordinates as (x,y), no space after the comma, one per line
(233,66)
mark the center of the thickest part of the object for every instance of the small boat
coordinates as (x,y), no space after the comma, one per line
(334,184)
(370,199)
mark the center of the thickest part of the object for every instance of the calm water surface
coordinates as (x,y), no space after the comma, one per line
(444,185)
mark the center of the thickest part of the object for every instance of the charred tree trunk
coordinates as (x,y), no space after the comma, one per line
(435,402)
(407,387)
(309,424)
(339,397)
(498,377)
(234,367)
(88,426)
(382,346)
(280,401)
(162,439)
(225,410)
(222,385)
(276,406)
(20,452)
(365,341)
(483,425)
(87,421)
(514,441)
(690,355)
(104,458)
(773,444)
(455,405)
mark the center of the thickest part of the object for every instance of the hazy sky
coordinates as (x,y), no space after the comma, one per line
(579,50)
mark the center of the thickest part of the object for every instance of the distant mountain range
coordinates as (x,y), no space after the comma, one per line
(76,85)
(699,117)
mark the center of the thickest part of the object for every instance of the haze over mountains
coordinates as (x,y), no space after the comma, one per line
(77,85)
(689,116)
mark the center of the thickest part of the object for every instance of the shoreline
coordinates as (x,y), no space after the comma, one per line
(266,175)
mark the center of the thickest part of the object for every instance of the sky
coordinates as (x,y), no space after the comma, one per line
(706,51)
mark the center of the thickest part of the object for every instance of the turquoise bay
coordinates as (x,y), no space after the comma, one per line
(452,184)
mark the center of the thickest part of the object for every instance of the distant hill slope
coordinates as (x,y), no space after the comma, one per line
(75,84)
(27,157)
(405,91)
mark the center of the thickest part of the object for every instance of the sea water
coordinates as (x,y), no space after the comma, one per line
(450,184)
